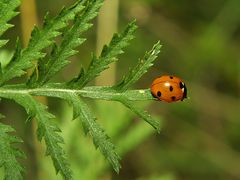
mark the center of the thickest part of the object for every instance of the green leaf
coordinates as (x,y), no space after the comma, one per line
(140,69)
(47,129)
(5,56)
(81,12)
(108,55)
(40,39)
(9,154)
(71,39)
(82,110)
(7,13)
(100,139)
(94,92)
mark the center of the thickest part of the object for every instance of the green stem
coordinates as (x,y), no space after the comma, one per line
(94,92)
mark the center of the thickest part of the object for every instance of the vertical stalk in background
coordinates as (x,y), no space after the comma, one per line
(28,15)
(107,25)
(28,19)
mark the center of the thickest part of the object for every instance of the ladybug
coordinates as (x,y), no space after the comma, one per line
(169,88)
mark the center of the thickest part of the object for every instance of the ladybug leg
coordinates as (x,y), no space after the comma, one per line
(154,95)
(156,98)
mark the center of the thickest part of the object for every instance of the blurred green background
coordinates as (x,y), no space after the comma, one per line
(200,137)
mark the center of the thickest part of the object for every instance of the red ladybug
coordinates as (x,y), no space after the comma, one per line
(169,88)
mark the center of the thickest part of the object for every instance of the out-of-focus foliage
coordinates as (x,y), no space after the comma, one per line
(201,136)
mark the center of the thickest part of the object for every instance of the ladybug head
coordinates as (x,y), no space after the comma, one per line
(184,88)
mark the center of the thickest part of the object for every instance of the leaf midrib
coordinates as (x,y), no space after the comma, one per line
(94,92)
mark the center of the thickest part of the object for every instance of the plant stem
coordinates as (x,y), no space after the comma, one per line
(99,92)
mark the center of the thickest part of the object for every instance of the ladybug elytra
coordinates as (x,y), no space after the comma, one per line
(169,88)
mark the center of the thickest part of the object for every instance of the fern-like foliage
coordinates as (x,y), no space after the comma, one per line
(7,13)
(72,39)
(81,109)
(74,92)
(9,154)
(47,129)
(141,68)
(40,39)
(108,55)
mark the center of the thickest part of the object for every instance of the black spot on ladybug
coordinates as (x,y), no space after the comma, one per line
(181,84)
(159,94)
(173,98)
(171,88)
(171,77)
